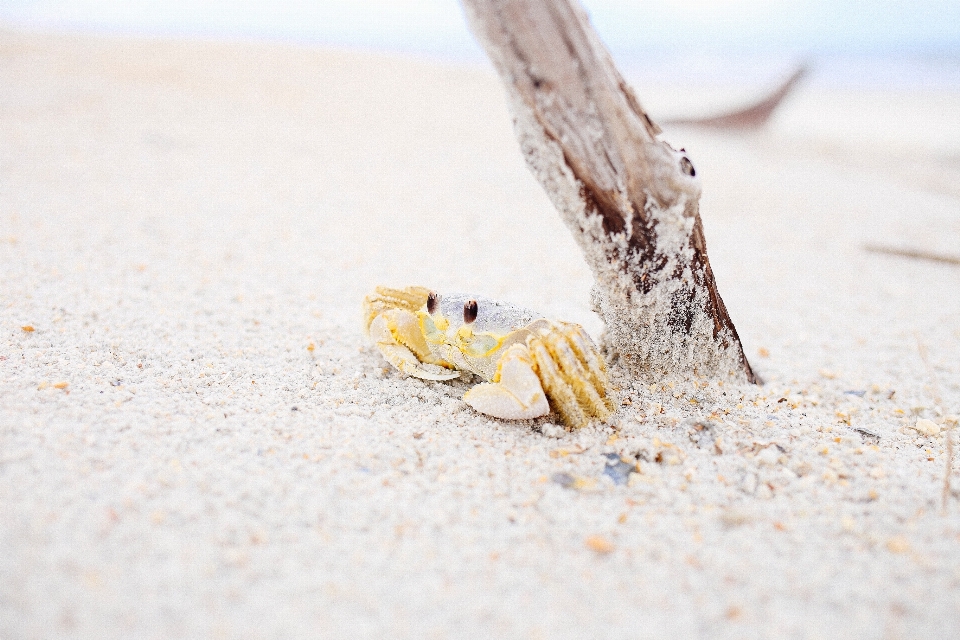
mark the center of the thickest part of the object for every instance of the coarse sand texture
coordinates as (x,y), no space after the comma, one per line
(197,440)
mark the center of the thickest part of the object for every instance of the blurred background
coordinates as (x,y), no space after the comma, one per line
(863,42)
(871,63)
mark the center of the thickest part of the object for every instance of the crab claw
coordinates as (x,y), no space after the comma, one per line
(397,335)
(515,393)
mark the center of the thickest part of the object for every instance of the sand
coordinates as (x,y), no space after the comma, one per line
(197,441)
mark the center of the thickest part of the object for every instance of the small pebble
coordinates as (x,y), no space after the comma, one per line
(553,431)
(927,427)
(734,517)
(898,544)
(599,544)
(617,470)
(565,480)
(768,456)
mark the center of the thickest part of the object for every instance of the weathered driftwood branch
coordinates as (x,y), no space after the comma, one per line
(753,116)
(917,254)
(630,200)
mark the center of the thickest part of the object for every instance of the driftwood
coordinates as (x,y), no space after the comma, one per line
(753,116)
(630,200)
(917,254)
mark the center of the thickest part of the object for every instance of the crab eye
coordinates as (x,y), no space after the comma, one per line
(432,300)
(470,310)
(687,167)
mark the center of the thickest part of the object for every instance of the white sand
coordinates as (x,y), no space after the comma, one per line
(180,221)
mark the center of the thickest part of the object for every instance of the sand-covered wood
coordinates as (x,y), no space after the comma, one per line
(629,198)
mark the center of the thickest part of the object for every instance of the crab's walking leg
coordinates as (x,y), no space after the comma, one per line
(571,373)
(515,393)
(397,335)
(563,397)
(586,353)
(574,371)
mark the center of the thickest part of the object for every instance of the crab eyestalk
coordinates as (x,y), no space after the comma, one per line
(470,311)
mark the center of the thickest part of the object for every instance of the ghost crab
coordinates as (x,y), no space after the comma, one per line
(529,364)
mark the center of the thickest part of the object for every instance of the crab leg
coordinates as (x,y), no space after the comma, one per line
(586,354)
(576,374)
(563,396)
(515,393)
(398,337)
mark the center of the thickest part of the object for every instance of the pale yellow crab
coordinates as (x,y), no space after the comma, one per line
(529,364)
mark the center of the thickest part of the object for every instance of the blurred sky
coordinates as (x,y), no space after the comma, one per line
(633,29)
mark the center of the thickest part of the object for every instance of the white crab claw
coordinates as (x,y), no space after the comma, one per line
(517,395)
(402,357)
(404,360)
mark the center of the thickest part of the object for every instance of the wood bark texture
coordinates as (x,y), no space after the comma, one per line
(630,200)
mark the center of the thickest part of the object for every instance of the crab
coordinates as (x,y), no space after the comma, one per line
(530,365)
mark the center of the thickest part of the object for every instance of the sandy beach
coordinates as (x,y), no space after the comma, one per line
(196,440)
